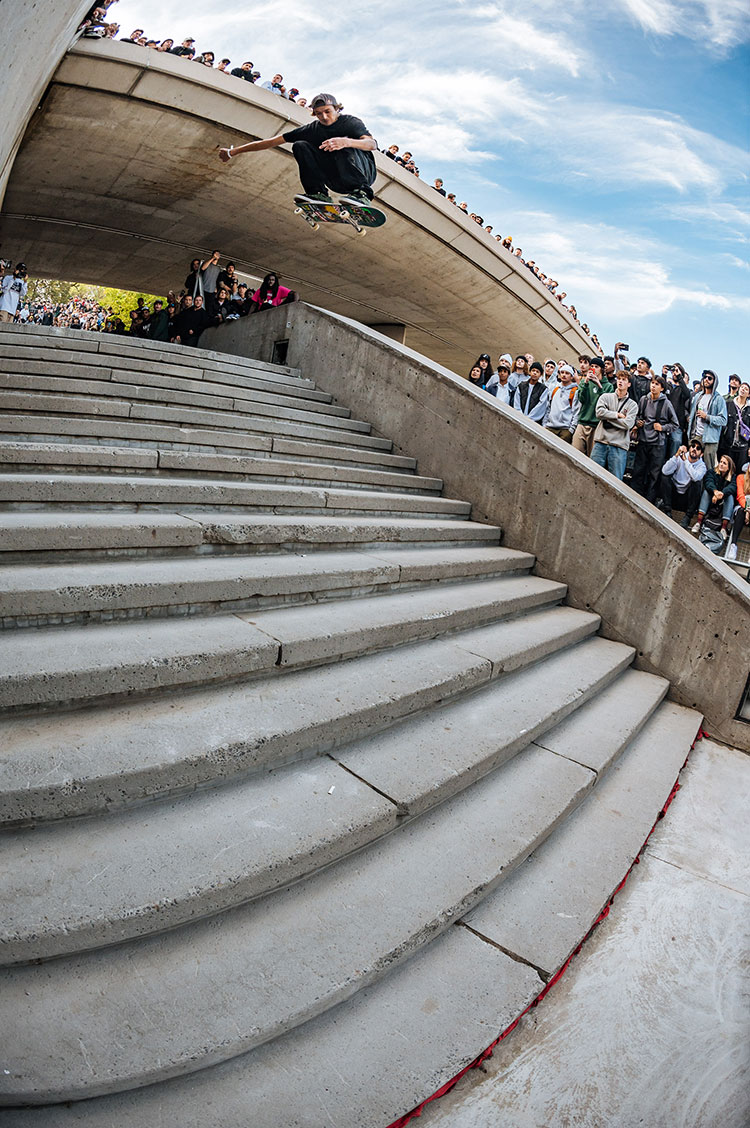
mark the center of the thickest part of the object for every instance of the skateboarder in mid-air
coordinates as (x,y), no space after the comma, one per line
(332,152)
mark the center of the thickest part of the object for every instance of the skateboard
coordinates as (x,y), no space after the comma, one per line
(358,216)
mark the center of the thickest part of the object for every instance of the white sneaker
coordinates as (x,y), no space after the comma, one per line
(731,553)
(696,528)
(723,534)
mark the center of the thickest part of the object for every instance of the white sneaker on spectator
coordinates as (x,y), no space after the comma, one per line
(723,534)
(731,552)
(696,528)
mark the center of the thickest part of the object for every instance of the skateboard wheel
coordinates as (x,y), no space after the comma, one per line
(298,211)
(345,214)
(315,226)
(361,230)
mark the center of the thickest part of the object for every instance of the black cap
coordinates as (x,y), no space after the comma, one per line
(323,100)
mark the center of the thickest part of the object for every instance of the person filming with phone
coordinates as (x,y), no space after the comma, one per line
(13,290)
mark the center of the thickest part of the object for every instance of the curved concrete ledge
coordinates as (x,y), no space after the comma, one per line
(655,586)
(127,207)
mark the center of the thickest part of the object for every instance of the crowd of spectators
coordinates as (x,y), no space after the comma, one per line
(96,25)
(210,295)
(682,445)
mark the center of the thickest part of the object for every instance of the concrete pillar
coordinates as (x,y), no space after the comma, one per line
(37,33)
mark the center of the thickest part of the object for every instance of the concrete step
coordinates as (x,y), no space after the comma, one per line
(71,379)
(457,992)
(79,458)
(92,761)
(372,1058)
(550,903)
(44,594)
(75,665)
(113,432)
(137,369)
(71,535)
(329,429)
(177,1002)
(154,860)
(108,491)
(97,346)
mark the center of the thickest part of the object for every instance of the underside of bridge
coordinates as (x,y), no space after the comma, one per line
(118,182)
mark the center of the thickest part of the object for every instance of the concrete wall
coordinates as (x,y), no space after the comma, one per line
(654,585)
(36,35)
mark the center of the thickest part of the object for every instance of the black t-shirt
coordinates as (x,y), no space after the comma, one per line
(345,125)
(180,50)
(238,72)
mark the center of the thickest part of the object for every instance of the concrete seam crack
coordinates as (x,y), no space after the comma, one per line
(543,975)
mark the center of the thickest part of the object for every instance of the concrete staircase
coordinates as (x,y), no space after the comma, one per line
(308,784)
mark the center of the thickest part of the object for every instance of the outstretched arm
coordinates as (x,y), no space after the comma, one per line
(251,147)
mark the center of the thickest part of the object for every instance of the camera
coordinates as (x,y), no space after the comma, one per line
(624,347)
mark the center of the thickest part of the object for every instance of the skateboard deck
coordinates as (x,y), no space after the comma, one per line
(358,216)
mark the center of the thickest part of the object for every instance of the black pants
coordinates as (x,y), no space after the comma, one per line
(649,459)
(344,170)
(673,499)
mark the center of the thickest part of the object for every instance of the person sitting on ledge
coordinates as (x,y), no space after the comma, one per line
(332,152)
(271,293)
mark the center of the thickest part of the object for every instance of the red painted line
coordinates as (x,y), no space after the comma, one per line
(446,1088)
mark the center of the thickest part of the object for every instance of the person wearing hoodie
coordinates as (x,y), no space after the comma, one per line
(551,378)
(561,416)
(485,364)
(616,412)
(708,416)
(476,377)
(591,385)
(655,422)
(531,396)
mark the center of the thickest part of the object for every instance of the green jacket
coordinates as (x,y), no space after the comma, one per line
(588,395)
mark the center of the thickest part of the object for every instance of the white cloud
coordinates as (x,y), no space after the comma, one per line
(635,146)
(719,214)
(721,24)
(526,46)
(606,268)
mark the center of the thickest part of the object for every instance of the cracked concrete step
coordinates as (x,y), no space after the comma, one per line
(84,1025)
(145,870)
(64,765)
(351,432)
(112,490)
(448,1002)
(202,584)
(550,903)
(78,458)
(42,427)
(137,370)
(95,347)
(68,379)
(372,1058)
(75,665)
(71,534)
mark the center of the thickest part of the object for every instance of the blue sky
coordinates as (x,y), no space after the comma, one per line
(612,144)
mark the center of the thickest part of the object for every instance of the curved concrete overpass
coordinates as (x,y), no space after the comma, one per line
(117,182)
